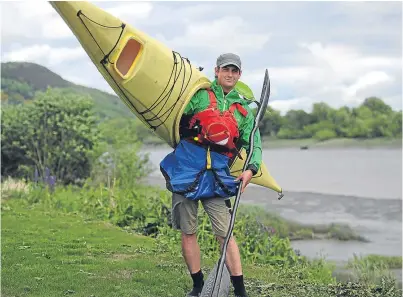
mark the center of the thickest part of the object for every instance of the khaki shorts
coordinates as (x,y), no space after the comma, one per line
(184,214)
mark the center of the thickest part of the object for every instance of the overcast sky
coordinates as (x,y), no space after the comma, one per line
(335,52)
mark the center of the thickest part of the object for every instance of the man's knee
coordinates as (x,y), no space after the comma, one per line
(189,241)
(219,215)
(188,236)
(221,239)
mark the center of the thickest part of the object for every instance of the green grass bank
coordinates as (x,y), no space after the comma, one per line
(97,241)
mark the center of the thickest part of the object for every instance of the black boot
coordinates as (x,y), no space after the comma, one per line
(196,291)
(197,284)
(239,287)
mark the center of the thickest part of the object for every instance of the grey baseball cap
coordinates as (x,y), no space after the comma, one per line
(229,59)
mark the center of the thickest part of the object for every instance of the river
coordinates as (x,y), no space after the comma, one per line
(358,187)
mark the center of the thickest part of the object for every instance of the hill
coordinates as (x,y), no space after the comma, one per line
(20,81)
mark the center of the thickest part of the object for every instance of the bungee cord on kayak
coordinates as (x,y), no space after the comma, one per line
(79,13)
(182,90)
(155,116)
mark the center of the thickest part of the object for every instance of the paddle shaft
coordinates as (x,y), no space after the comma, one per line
(261,110)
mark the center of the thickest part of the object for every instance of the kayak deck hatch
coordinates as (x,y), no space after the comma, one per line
(128,57)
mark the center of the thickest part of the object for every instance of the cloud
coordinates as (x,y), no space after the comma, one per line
(45,54)
(368,79)
(31,20)
(230,33)
(337,74)
(56,28)
(352,70)
(188,14)
(347,61)
(283,106)
(40,20)
(131,12)
(373,10)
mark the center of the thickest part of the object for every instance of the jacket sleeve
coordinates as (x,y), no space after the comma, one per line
(245,132)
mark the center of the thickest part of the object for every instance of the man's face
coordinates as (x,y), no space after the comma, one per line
(227,76)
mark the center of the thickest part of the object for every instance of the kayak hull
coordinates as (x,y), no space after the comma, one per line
(154,82)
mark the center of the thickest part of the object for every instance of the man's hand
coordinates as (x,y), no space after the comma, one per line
(246,176)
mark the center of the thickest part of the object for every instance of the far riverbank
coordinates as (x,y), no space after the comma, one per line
(309,143)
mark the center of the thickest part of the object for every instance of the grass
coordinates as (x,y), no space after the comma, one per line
(50,253)
(55,245)
(388,262)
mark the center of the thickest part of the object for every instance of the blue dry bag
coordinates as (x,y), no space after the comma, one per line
(196,172)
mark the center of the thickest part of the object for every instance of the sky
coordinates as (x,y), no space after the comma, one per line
(334,52)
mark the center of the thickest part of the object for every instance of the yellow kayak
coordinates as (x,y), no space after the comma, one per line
(154,82)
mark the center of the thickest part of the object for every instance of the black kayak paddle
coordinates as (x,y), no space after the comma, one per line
(218,280)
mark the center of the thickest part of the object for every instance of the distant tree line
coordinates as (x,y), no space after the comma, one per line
(373,118)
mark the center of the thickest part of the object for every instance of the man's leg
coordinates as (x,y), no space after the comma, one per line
(184,218)
(220,218)
(191,252)
(233,261)
(233,258)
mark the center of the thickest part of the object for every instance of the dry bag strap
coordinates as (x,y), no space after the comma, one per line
(213,101)
(208,159)
(240,108)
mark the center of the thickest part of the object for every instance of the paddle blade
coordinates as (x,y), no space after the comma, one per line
(221,286)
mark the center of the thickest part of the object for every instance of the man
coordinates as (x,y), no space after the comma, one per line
(184,211)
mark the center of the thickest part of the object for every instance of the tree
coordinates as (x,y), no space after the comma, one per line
(377,106)
(342,120)
(321,112)
(271,122)
(380,126)
(395,124)
(325,134)
(313,129)
(297,119)
(57,131)
(359,129)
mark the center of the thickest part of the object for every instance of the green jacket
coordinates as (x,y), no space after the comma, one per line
(200,101)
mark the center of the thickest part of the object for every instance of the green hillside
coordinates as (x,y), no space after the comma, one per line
(20,81)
